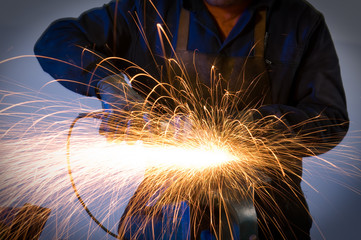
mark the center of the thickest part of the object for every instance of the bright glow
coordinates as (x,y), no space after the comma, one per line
(190,158)
(115,155)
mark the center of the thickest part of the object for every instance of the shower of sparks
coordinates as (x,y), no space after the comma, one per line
(204,152)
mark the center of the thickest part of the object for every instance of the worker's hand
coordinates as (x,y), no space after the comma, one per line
(286,148)
(119,102)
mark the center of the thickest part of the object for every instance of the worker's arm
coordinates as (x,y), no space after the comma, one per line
(316,109)
(71,49)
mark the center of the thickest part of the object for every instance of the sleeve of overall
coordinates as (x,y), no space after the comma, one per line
(73,50)
(317,107)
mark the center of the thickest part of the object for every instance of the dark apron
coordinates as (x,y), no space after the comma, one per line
(244,77)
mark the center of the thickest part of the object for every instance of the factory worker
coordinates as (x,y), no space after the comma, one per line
(284,44)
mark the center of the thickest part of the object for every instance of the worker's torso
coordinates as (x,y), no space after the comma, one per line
(283,50)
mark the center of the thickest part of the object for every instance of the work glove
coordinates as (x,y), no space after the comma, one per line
(119,102)
(273,129)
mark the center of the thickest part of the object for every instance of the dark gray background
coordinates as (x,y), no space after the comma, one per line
(334,206)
